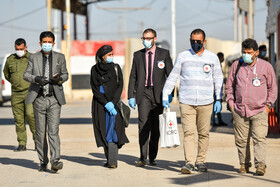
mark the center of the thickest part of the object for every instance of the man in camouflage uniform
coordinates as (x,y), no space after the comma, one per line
(14,68)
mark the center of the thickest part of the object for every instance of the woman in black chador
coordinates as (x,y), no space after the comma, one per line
(109,128)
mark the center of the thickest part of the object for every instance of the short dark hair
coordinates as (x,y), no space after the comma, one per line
(46,34)
(150,30)
(262,47)
(250,43)
(220,55)
(20,41)
(198,31)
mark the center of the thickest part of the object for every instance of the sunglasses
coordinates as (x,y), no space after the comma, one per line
(147,38)
(196,41)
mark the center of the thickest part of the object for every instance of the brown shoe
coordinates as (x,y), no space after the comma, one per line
(261,169)
(244,168)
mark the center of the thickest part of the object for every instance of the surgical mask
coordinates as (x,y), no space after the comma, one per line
(248,58)
(263,53)
(47,47)
(109,59)
(196,47)
(20,53)
(147,44)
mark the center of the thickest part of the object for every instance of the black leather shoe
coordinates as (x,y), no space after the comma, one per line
(201,167)
(56,166)
(21,148)
(141,163)
(106,164)
(42,168)
(153,163)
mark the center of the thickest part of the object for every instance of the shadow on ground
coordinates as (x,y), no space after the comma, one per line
(19,162)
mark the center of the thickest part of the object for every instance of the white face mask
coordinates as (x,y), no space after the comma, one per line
(20,53)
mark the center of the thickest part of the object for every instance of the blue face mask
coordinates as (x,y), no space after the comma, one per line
(109,59)
(248,58)
(147,44)
(263,53)
(47,47)
(196,47)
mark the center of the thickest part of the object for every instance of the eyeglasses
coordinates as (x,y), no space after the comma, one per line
(196,41)
(147,38)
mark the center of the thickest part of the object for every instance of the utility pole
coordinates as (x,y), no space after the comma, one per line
(251,19)
(235,26)
(68,88)
(87,21)
(49,15)
(173,31)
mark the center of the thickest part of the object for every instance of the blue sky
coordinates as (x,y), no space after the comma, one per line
(28,18)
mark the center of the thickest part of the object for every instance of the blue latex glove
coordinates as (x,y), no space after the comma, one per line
(132,103)
(166,104)
(170,98)
(109,106)
(113,112)
(217,107)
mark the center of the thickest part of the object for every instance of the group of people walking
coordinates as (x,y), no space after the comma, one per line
(251,91)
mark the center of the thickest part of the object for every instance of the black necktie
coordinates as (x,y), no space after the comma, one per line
(149,69)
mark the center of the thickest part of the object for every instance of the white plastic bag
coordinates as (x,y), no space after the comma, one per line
(169,135)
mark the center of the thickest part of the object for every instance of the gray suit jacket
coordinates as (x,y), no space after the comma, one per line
(35,68)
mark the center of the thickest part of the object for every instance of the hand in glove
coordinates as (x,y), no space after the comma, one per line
(166,104)
(132,103)
(217,107)
(109,106)
(113,112)
(41,80)
(56,80)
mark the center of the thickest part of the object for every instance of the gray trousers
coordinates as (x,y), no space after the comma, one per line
(111,153)
(47,118)
(148,125)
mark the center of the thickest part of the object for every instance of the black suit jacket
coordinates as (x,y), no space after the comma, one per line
(137,77)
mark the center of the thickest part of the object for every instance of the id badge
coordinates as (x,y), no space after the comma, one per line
(206,68)
(257,82)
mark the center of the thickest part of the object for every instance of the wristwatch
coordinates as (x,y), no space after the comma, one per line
(269,105)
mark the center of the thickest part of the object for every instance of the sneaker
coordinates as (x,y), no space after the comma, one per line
(20,148)
(244,168)
(187,169)
(141,163)
(260,169)
(201,167)
(56,166)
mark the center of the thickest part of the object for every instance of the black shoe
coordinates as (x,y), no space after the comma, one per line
(201,167)
(112,166)
(141,163)
(56,166)
(43,167)
(187,169)
(21,148)
(106,164)
(221,124)
(153,163)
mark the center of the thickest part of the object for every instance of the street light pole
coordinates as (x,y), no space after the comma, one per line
(68,88)
(173,31)
(49,15)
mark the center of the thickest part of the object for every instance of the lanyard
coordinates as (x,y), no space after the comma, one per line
(255,69)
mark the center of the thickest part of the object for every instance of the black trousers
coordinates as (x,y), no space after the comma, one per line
(148,125)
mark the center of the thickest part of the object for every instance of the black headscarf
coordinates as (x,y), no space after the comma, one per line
(104,69)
